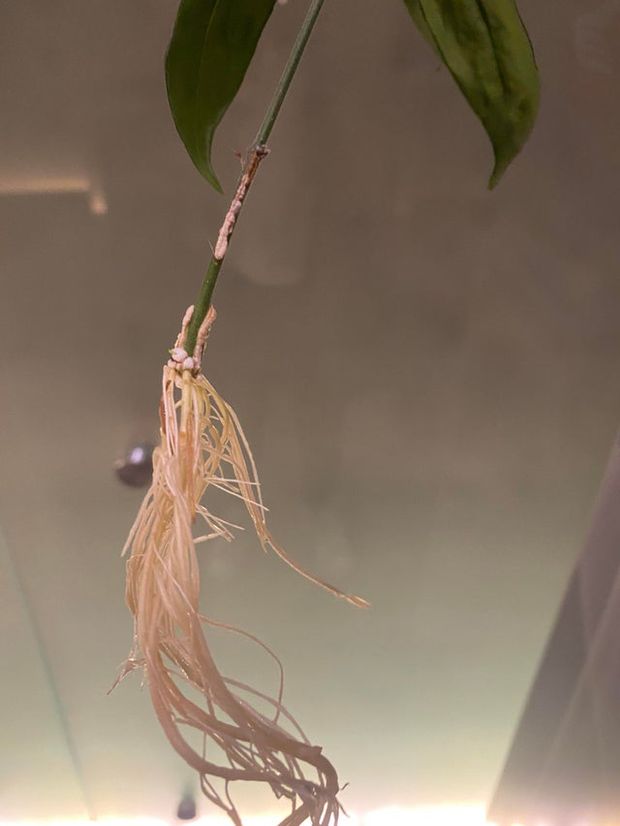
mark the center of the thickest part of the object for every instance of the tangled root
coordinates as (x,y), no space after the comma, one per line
(203,446)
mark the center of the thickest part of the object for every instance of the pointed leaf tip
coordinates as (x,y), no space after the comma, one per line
(211,48)
(486,48)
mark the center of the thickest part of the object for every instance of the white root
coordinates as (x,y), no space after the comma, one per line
(202,446)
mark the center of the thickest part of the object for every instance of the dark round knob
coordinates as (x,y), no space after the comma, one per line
(136,468)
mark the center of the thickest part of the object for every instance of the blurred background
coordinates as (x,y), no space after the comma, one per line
(427,372)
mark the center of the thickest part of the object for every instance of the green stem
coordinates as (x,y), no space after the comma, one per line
(289,72)
(250,168)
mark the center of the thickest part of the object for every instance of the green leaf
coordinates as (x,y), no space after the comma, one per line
(485,46)
(415,10)
(212,45)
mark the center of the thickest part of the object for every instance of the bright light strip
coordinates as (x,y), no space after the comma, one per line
(447,815)
(43,185)
(59,185)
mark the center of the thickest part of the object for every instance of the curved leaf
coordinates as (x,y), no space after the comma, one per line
(485,46)
(211,48)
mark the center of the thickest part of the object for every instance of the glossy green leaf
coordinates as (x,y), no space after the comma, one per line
(485,46)
(212,45)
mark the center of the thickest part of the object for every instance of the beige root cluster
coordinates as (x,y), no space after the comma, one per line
(203,446)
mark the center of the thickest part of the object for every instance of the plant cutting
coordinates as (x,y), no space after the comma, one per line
(217,724)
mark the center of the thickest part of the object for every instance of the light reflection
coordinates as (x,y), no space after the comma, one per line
(57,185)
(446,815)
(97,202)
